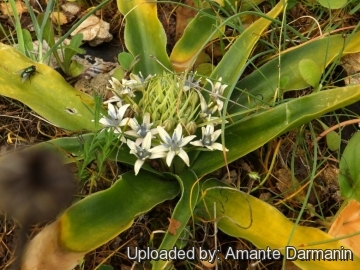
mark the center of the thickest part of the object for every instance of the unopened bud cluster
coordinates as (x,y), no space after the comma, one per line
(171,108)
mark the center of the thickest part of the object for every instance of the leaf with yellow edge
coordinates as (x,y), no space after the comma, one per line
(144,36)
(348,222)
(46,92)
(200,30)
(242,215)
(99,217)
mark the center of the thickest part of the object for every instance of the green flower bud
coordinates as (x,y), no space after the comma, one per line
(191,127)
(169,125)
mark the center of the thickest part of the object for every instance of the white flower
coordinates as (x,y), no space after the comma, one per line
(123,88)
(144,151)
(116,118)
(114,99)
(206,110)
(174,144)
(217,92)
(140,78)
(208,138)
(190,82)
(140,131)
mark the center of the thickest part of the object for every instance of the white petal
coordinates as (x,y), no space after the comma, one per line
(197,143)
(178,132)
(146,119)
(122,139)
(186,140)
(184,156)
(124,122)
(104,121)
(170,157)
(163,134)
(154,131)
(131,144)
(202,103)
(133,123)
(112,111)
(203,131)
(122,110)
(159,148)
(215,135)
(132,133)
(210,129)
(218,146)
(157,155)
(212,85)
(146,144)
(220,104)
(138,165)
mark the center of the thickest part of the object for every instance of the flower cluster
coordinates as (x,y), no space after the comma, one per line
(175,106)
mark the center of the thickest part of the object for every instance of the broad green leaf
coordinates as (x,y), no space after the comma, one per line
(253,132)
(239,52)
(28,42)
(125,59)
(310,72)
(72,49)
(99,217)
(332,4)
(75,69)
(260,86)
(48,94)
(333,140)
(144,36)
(242,215)
(182,212)
(349,175)
(200,30)
(204,71)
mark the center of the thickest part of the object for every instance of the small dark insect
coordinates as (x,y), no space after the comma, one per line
(26,73)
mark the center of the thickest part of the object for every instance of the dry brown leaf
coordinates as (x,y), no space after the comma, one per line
(173,226)
(183,15)
(70,8)
(347,222)
(6,8)
(351,63)
(94,30)
(58,18)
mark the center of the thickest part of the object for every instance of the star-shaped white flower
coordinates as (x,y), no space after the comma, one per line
(144,151)
(190,82)
(140,131)
(116,117)
(123,88)
(114,99)
(217,92)
(175,144)
(208,139)
(140,78)
(206,110)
